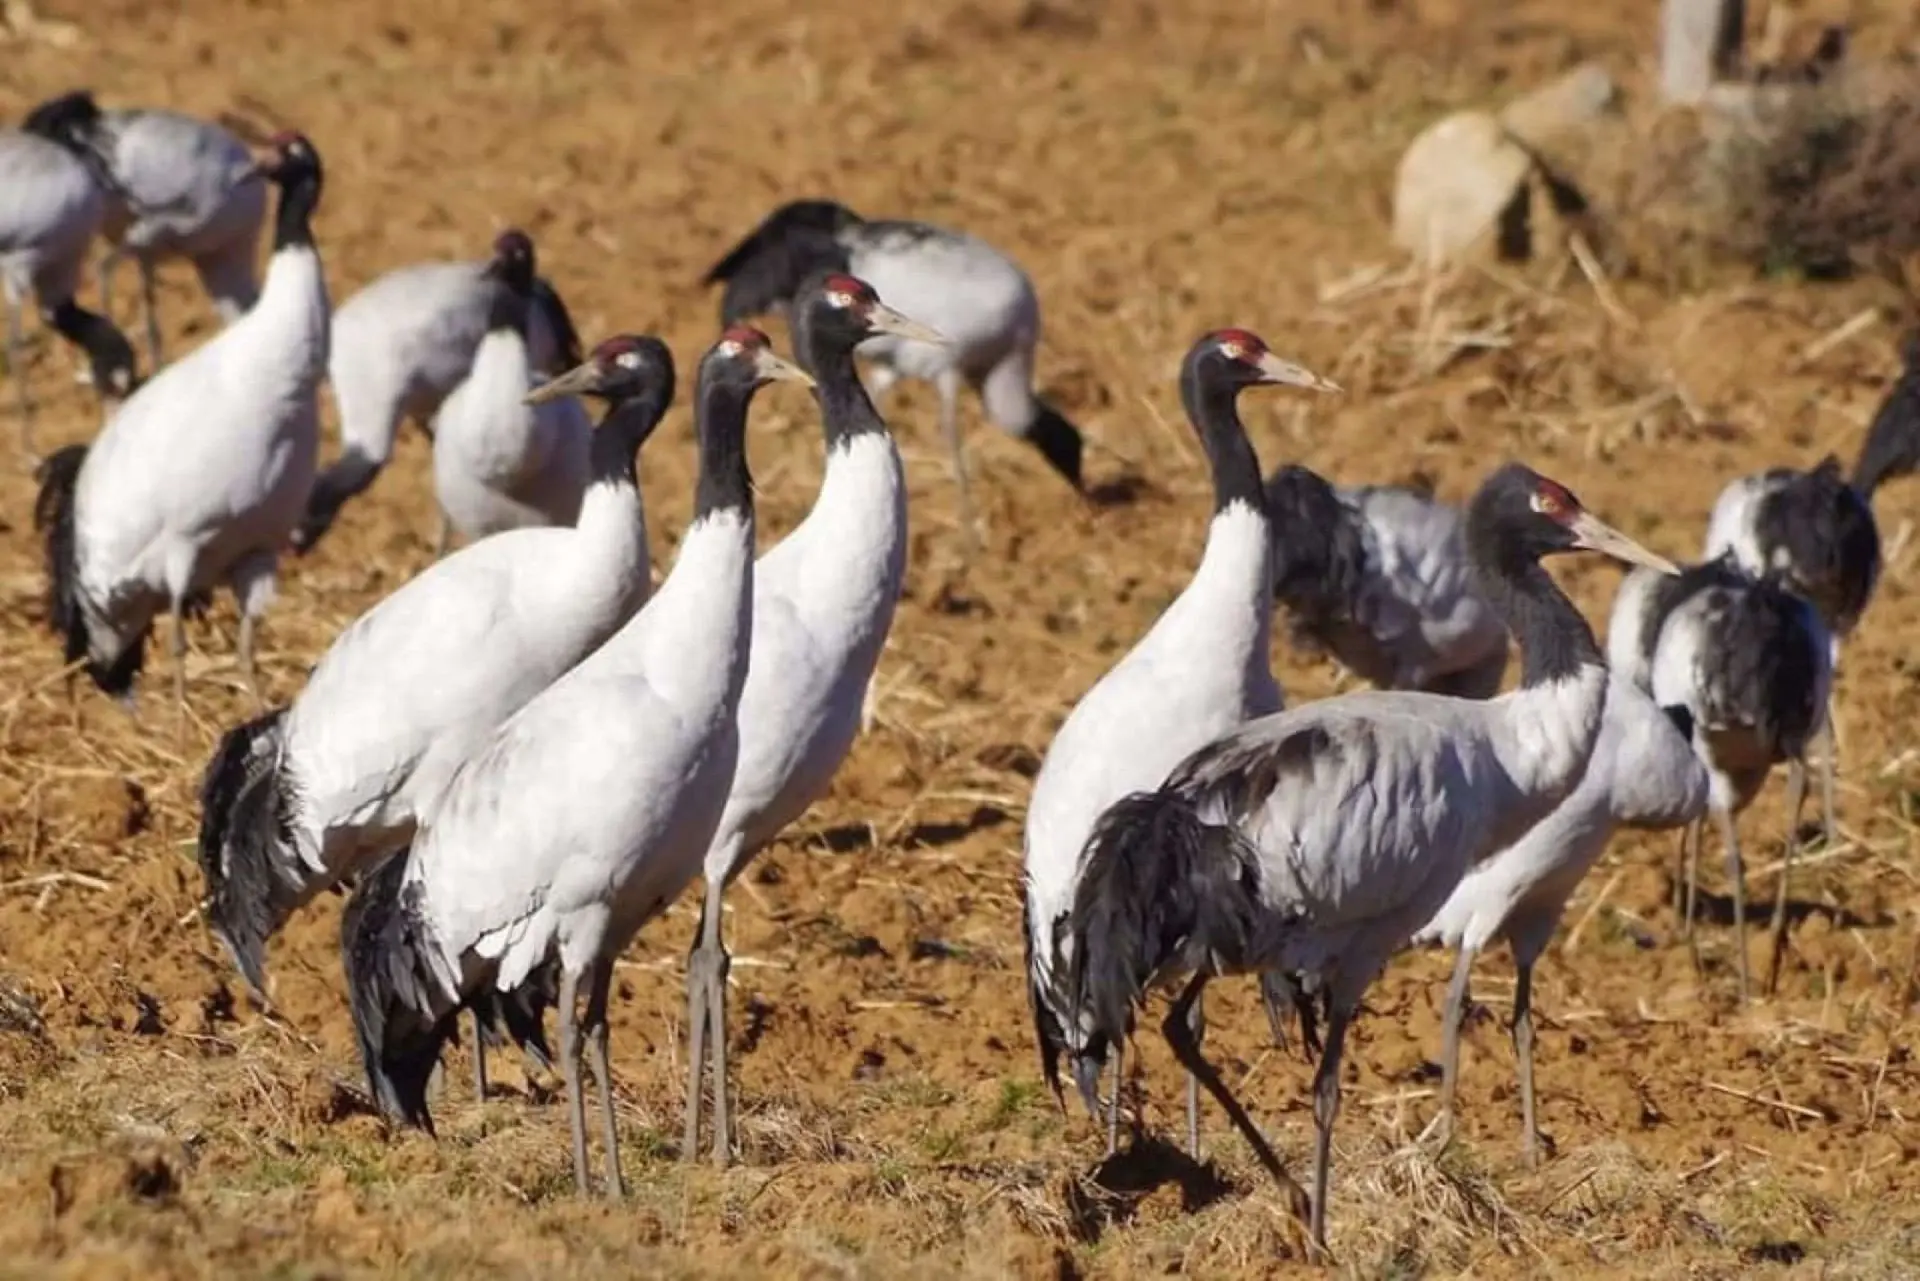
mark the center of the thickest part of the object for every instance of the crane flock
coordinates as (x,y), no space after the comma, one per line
(526,754)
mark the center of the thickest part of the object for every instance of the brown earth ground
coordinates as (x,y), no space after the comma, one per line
(1161,170)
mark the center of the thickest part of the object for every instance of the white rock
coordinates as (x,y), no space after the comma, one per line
(1456,182)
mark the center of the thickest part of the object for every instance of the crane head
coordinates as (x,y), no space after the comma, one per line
(513,261)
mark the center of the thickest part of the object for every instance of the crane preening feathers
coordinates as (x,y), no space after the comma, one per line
(1315,842)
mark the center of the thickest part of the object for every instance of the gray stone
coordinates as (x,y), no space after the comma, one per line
(1561,108)
(1462,191)
(1700,43)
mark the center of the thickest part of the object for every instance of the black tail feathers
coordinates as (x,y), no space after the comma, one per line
(766,268)
(58,476)
(246,841)
(1161,891)
(397,1014)
(1059,442)
(520,1016)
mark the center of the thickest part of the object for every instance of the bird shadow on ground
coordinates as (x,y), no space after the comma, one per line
(935,835)
(851,838)
(1109,1195)
(1717,910)
(1118,492)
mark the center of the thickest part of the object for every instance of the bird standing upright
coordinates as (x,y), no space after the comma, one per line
(1751,661)
(1200,670)
(823,599)
(296,800)
(1813,534)
(202,474)
(51,206)
(963,287)
(500,461)
(586,813)
(1316,841)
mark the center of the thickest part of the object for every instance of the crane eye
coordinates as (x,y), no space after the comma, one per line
(1233,351)
(1547,504)
(628,360)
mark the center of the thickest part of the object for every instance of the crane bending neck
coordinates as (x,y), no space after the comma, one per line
(1555,641)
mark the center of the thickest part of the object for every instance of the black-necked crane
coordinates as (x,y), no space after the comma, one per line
(1200,670)
(1643,775)
(297,800)
(586,813)
(823,600)
(179,188)
(400,346)
(1377,576)
(201,475)
(1752,662)
(1814,534)
(968,290)
(1315,842)
(500,462)
(52,204)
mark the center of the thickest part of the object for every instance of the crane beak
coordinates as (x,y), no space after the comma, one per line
(1275,370)
(575,382)
(884,319)
(1594,534)
(768,368)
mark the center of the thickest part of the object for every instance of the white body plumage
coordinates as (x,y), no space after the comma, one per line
(1198,673)
(1642,774)
(203,473)
(590,810)
(50,210)
(499,463)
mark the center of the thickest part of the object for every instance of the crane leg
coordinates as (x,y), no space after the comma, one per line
(706,987)
(252,579)
(1197,1024)
(108,261)
(1829,766)
(149,299)
(1736,875)
(1276,994)
(717,1014)
(1687,833)
(1690,846)
(1179,1034)
(16,344)
(570,1069)
(177,640)
(1796,801)
(479,1059)
(1326,1106)
(445,542)
(1456,1014)
(1113,1102)
(1523,1053)
(948,385)
(596,1036)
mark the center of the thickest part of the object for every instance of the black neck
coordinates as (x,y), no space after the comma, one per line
(1555,641)
(293,222)
(509,309)
(846,411)
(621,433)
(1212,407)
(107,348)
(720,421)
